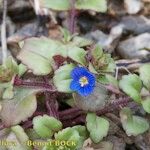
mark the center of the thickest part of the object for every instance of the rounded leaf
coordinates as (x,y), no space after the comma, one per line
(19,137)
(70,134)
(133,125)
(96,5)
(37,54)
(62,78)
(97,126)
(146,104)
(21,106)
(131,85)
(56,4)
(77,54)
(45,126)
(145,75)
(94,101)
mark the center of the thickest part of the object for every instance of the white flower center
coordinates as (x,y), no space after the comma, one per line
(83,81)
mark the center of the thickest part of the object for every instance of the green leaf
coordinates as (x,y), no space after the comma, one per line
(32,134)
(56,4)
(37,54)
(70,134)
(44,47)
(8,70)
(22,69)
(102,62)
(16,137)
(146,104)
(63,5)
(19,137)
(81,130)
(97,126)
(131,85)
(70,102)
(133,125)
(3,136)
(92,69)
(81,42)
(102,79)
(94,101)
(77,54)
(111,65)
(108,79)
(112,80)
(46,126)
(66,34)
(96,5)
(97,53)
(62,78)
(8,93)
(38,64)
(145,75)
(21,106)
(11,64)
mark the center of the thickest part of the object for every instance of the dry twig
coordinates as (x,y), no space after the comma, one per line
(3,31)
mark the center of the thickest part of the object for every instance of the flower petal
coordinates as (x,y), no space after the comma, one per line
(85,91)
(77,72)
(75,86)
(91,79)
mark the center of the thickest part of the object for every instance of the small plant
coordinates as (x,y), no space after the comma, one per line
(74,73)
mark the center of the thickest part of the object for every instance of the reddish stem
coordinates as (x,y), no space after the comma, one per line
(72,17)
(107,109)
(71,115)
(75,112)
(75,116)
(114,90)
(76,121)
(2,126)
(27,124)
(117,104)
(69,111)
(51,105)
(51,102)
(27,83)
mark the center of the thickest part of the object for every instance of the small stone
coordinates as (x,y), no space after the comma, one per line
(136,24)
(118,143)
(28,30)
(107,42)
(143,141)
(135,47)
(98,37)
(133,6)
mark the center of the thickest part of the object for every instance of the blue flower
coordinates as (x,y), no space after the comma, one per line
(83,81)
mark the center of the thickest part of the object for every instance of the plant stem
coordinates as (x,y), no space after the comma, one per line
(81,119)
(117,104)
(75,112)
(72,17)
(44,86)
(3,31)
(2,126)
(114,90)
(74,116)
(27,124)
(70,113)
(51,105)
(51,102)
(76,121)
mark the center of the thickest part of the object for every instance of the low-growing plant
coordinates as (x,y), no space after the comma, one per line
(62,89)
